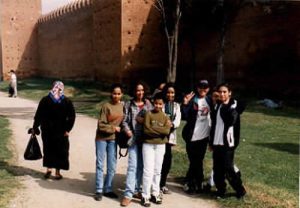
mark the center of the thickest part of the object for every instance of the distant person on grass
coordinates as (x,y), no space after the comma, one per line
(13,84)
(109,120)
(55,116)
(224,139)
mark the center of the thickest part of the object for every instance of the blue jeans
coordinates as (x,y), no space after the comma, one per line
(134,170)
(104,148)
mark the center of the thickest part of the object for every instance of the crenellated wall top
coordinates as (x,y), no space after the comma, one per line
(68,8)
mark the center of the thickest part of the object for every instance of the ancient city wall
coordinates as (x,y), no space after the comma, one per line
(114,40)
(19,36)
(1,72)
(262,50)
(107,39)
(144,48)
(65,39)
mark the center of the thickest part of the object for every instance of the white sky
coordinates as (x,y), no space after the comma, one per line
(49,5)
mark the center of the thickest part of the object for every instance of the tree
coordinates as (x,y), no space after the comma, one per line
(227,10)
(171,14)
(220,55)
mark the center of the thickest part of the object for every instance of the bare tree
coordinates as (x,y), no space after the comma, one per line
(171,29)
(220,55)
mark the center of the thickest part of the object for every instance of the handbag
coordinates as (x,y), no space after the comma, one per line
(11,90)
(33,150)
(122,142)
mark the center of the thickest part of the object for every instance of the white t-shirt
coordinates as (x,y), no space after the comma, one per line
(202,125)
(218,137)
(13,78)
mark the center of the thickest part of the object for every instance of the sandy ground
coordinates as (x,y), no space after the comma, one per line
(77,187)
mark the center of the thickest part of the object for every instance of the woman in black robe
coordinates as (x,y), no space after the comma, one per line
(55,116)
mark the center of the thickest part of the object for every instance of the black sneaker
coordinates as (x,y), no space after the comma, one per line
(190,191)
(241,194)
(98,196)
(156,199)
(220,195)
(111,195)
(145,202)
(207,188)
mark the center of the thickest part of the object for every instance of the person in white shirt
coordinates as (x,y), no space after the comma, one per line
(196,111)
(13,84)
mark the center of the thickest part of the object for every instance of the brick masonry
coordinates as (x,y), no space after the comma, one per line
(123,40)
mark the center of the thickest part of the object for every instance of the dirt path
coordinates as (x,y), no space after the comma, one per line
(77,187)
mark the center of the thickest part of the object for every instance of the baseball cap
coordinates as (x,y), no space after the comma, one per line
(203,84)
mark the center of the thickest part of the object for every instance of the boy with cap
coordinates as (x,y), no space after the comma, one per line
(196,111)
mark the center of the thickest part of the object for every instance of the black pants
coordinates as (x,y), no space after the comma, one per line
(166,165)
(223,166)
(196,151)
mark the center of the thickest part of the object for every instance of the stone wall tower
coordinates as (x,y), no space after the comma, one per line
(18,37)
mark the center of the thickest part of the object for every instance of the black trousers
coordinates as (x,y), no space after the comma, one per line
(196,151)
(166,165)
(223,166)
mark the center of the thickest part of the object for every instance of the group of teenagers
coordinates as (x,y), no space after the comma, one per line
(150,123)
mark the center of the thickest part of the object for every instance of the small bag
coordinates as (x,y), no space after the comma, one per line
(122,142)
(33,150)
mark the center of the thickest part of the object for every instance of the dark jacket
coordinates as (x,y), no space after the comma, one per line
(189,114)
(54,118)
(230,114)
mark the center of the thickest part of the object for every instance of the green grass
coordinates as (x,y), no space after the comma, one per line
(7,179)
(268,154)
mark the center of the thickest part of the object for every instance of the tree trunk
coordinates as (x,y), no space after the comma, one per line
(220,61)
(173,46)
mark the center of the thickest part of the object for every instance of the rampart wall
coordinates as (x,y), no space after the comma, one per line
(262,50)
(144,48)
(123,40)
(107,39)
(19,36)
(65,39)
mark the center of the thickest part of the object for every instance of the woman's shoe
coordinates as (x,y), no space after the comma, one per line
(58,177)
(47,174)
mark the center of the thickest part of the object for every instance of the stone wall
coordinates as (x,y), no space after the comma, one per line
(19,36)
(1,66)
(124,40)
(144,46)
(262,51)
(107,39)
(65,39)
